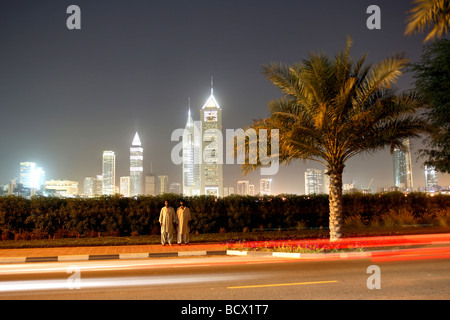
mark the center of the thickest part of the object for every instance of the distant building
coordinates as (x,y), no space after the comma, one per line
(136,167)
(109,173)
(242,187)
(98,186)
(31,176)
(191,160)
(163,184)
(431,181)
(211,172)
(175,188)
(265,186)
(251,190)
(348,186)
(125,186)
(12,187)
(63,188)
(313,181)
(150,185)
(89,187)
(403,167)
(228,191)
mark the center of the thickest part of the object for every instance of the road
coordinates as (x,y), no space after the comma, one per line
(229,278)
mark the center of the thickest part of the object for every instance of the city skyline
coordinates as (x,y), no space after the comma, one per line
(68,95)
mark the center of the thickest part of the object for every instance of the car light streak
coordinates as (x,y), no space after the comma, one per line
(118,265)
(88,283)
(282,284)
(412,254)
(351,242)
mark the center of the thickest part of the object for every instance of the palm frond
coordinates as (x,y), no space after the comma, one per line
(429,14)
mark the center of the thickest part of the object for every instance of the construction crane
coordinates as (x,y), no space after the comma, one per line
(368,188)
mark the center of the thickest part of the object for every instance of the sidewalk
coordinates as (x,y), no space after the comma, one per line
(200,249)
(109,252)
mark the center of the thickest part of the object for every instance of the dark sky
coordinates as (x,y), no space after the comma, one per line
(67,95)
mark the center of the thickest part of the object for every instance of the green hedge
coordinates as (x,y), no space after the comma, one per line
(43,217)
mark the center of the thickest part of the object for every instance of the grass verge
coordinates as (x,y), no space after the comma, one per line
(229,239)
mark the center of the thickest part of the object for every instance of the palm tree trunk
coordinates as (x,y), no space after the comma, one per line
(335,204)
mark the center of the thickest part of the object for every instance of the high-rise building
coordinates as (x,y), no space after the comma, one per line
(431,181)
(265,186)
(136,167)
(211,173)
(125,186)
(403,167)
(12,186)
(313,181)
(191,160)
(109,173)
(242,187)
(150,185)
(31,176)
(163,184)
(98,185)
(89,187)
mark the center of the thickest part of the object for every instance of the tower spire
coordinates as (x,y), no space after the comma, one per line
(212,85)
(189,105)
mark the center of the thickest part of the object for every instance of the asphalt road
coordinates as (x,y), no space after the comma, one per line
(229,278)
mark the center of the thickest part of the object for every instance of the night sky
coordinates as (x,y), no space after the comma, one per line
(67,95)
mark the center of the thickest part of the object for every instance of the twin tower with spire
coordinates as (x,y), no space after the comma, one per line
(202,170)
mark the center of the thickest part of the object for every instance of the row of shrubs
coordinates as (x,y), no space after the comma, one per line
(43,217)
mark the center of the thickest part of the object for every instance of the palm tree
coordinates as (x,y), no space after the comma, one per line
(334,109)
(433,14)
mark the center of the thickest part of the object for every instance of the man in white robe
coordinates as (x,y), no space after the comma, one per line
(183,216)
(167,218)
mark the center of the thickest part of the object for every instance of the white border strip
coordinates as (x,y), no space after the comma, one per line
(191,253)
(133,255)
(237,253)
(73,258)
(286,254)
(13,260)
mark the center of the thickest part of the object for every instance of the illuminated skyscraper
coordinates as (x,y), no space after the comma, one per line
(163,184)
(431,182)
(313,181)
(402,167)
(265,186)
(125,186)
(98,191)
(191,160)
(243,187)
(136,167)
(211,172)
(109,173)
(89,187)
(31,176)
(150,185)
